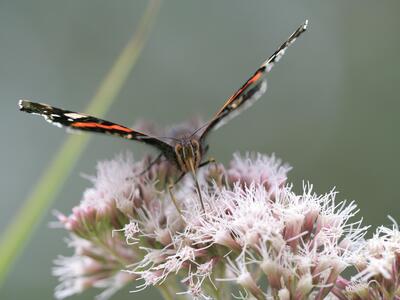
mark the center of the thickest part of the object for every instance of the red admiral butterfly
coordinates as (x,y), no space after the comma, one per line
(187,151)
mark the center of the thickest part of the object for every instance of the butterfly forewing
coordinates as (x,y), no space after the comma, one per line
(83,122)
(185,150)
(252,89)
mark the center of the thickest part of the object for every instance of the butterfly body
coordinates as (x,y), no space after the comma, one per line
(187,148)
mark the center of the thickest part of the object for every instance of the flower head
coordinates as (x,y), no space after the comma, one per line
(378,266)
(130,228)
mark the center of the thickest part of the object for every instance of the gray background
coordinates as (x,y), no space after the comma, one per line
(332,109)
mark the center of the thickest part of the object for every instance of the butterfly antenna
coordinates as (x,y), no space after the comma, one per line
(169,138)
(160,137)
(200,128)
(174,201)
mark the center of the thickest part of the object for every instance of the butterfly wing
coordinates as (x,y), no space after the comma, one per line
(77,121)
(253,89)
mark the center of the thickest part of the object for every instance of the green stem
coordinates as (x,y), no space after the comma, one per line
(17,234)
(165,293)
(170,288)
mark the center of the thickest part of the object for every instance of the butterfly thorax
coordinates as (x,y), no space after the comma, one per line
(188,154)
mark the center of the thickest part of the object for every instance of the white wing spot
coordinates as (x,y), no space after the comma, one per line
(52,121)
(74,116)
(249,102)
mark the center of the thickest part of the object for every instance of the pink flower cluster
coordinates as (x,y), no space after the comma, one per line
(256,238)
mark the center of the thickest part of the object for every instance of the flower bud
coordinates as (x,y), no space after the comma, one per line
(224,238)
(246,281)
(273,271)
(304,287)
(163,236)
(284,294)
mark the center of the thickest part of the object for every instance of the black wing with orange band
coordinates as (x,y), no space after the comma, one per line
(253,89)
(82,122)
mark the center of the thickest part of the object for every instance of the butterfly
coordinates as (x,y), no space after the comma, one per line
(187,150)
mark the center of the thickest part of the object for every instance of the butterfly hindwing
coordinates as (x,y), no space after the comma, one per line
(77,121)
(252,89)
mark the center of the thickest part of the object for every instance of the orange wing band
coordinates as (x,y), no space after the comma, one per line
(98,125)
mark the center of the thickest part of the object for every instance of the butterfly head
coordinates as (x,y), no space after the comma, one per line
(188,154)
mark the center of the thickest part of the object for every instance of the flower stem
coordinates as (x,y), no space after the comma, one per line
(166,294)
(17,234)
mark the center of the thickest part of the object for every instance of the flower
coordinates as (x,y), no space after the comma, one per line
(257,168)
(131,228)
(378,267)
(90,266)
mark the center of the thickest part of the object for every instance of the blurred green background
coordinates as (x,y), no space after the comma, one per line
(332,109)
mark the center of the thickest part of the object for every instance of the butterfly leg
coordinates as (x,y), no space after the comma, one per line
(152,163)
(179,178)
(196,183)
(217,174)
(208,161)
(173,199)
